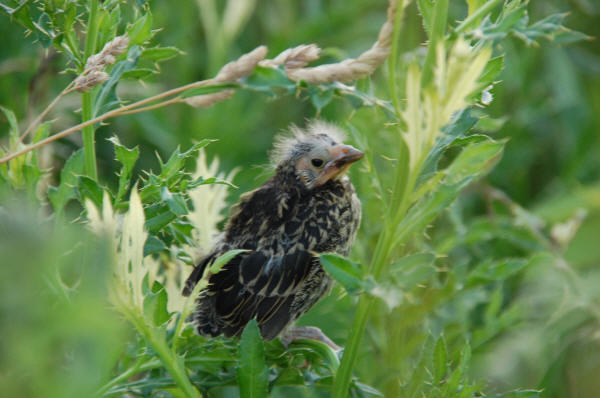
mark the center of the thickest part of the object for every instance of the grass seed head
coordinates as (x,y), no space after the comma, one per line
(84,83)
(241,67)
(206,100)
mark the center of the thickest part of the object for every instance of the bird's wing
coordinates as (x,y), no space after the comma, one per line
(196,274)
(254,285)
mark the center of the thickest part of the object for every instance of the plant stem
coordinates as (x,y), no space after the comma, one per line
(116,112)
(89,142)
(135,369)
(174,366)
(401,191)
(175,100)
(89,148)
(473,18)
(438,30)
(341,382)
(394,58)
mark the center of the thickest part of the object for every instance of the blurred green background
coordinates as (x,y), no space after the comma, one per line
(547,105)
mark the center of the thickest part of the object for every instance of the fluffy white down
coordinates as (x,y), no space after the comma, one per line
(287,143)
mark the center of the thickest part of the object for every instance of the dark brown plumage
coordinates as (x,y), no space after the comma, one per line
(309,206)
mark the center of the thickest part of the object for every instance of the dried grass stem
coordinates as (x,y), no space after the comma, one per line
(353,69)
(229,73)
(293,59)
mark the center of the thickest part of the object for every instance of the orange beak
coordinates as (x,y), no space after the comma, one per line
(342,157)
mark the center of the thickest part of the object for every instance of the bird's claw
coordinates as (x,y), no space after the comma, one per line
(307,332)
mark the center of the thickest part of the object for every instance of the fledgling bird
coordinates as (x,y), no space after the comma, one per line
(308,207)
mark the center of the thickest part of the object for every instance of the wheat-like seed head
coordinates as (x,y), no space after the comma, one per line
(241,67)
(353,69)
(84,83)
(206,100)
(294,58)
(116,46)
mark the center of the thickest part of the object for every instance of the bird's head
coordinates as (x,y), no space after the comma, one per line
(315,155)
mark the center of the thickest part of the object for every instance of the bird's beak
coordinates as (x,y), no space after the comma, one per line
(342,157)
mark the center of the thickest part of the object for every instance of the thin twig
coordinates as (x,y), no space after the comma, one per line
(229,73)
(175,100)
(105,116)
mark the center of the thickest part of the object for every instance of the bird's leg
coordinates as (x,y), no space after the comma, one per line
(307,332)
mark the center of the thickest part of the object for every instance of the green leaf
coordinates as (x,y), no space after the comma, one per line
(348,273)
(550,28)
(140,30)
(159,219)
(320,97)
(426,10)
(127,157)
(42,131)
(454,381)
(90,189)
(175,201)
(495,270)
(419,377)
(514,20)
(461,124)
(271,81)
(474,161)
(153,245)
(359,99)
(366,388)
(158,54)
(20,13)
(12,122)
(224,259)
(139,73)
(252,371)
(289,377)
(438,30)
(413,270)
(44,30)
(173,167)
(155,305)
(492,70)
(66,189)
(440,358)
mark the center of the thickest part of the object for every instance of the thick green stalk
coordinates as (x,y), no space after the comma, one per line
(89,144)
(341,382)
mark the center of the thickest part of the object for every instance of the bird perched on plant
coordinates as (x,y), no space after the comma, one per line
(308,207)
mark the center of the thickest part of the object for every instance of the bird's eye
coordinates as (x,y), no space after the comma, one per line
(317,162)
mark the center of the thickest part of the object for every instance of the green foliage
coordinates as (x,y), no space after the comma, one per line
(466,279)
(252,369)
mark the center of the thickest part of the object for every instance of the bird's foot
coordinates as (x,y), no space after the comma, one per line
(307,332)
